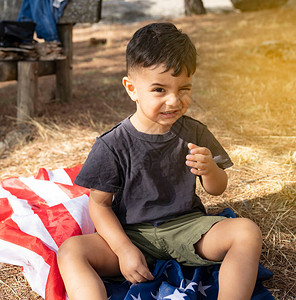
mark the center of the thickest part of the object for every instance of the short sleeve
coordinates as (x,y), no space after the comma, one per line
(207,139)
(101,169)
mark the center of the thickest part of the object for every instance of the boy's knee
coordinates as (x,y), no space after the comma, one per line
(248,231)
(67,251)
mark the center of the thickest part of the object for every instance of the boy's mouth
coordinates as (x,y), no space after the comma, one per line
(170,113)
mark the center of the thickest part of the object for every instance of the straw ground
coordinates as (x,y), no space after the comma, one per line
(244,90)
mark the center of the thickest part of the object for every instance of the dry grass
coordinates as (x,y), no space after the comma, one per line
(245,92)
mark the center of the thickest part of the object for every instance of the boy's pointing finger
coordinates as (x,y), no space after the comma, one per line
(194,149)
(192,146)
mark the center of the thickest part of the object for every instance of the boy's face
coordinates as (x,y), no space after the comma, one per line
(160,97)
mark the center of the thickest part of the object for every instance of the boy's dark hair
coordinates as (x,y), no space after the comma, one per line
(161,43)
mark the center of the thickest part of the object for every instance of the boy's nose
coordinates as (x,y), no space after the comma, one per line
(172,99)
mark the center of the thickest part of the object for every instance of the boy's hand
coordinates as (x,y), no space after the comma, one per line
(133,265)
(200,160)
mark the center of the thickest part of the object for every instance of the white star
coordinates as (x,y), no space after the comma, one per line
(176,296)
(181,285)
(202,288)
(165,273)
(187,281)
(138,298)
(190,286)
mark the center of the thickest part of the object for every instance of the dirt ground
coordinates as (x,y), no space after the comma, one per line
(244,90)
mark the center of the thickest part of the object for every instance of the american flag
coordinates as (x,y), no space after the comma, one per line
(39,213)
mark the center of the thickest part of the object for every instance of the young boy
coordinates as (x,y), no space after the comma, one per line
(142,176)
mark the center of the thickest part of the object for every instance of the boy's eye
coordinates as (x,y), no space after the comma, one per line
(159,90)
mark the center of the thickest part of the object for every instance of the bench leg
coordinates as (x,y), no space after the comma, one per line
(64,67)
(27,90)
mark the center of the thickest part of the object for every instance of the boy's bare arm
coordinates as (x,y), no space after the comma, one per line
(214,179)
(132,262)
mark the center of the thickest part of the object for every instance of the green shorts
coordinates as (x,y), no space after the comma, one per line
(173,239)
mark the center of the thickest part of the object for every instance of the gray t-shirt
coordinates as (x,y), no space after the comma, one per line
(147,173)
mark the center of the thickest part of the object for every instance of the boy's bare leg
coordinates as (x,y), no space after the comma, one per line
(238,243)
(80,259)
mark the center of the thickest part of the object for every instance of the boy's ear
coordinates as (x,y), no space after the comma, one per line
(130,87)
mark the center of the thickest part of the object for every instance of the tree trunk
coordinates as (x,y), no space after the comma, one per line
(194,7)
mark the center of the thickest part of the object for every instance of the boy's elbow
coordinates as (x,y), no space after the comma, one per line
(215,192)
(216,185)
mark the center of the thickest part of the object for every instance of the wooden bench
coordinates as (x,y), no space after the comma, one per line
(27,72)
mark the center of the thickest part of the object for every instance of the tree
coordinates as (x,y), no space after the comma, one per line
(194,7)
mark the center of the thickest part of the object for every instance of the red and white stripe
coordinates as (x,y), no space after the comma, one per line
(37,215)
